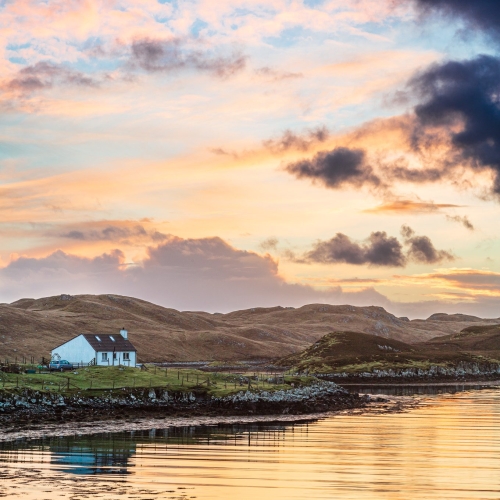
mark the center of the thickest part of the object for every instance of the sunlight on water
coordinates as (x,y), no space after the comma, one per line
(447,448)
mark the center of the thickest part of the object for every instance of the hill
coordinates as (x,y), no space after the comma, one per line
(32,327)
(355,352)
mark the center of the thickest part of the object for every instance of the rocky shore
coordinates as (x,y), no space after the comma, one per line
(462,371)
(27,409)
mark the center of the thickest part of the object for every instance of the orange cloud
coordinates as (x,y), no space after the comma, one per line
(409,206)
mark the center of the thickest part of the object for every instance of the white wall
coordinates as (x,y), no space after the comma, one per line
(118,361)
(76,350)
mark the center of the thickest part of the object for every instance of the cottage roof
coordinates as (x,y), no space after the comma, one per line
(101,342)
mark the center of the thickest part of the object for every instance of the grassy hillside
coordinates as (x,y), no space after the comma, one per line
(357,352)
(32,327)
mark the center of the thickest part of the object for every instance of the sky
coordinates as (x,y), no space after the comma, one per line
(225,155)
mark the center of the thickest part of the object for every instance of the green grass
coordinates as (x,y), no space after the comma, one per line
(96,379)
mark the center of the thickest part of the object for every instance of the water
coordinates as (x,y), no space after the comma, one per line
(413,389)
(449,447)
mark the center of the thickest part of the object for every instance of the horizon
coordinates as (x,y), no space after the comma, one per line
(213,157)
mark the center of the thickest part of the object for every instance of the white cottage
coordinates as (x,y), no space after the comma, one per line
(101,350)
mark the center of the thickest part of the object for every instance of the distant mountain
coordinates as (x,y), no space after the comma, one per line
(32,327)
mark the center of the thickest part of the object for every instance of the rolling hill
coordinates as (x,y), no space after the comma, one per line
(32,327)
(355,352)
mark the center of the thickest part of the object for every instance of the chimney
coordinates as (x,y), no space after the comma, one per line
(124,333)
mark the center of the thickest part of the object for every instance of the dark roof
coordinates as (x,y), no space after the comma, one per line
(106,344)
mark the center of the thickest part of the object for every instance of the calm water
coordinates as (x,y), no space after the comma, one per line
(447,448)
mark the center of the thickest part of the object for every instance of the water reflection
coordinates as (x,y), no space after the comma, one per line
(412,389)
(448,448)
(112,453)
(90,455)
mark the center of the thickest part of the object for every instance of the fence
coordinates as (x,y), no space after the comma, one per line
(85,378)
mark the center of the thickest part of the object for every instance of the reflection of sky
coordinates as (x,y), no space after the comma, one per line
(88,460)
(447,448)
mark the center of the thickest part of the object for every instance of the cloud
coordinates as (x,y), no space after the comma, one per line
(336,168)
(45,75)
(208,274)
(454,129)
(269,244)
(196,274)
(461,99)
(378,249)
(472,281)
(300,142)
(415,175)
(109,232)
(481,15)
(421,248)
(410,206)
(464,220)
(154,56)
(275,75)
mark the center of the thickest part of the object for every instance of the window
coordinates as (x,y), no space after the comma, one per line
(126,356)
(115,355)
(98,339)
(104,356)
(112,338)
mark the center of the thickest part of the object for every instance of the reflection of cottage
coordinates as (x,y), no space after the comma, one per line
(102,350)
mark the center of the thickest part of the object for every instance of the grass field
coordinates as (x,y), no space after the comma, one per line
(95,380)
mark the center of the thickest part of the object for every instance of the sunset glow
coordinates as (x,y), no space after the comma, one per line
(220,155)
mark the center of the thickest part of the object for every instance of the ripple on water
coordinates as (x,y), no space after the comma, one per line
(448,447)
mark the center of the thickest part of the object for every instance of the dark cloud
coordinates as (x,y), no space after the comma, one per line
(43,75)
(462,99)
(301,142)
(378,250)
(414,175)
(421,249)
(170,55)
(481,15)
(337,168)
(464,220)
(455,126)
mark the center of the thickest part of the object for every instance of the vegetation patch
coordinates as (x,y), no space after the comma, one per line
(95,380)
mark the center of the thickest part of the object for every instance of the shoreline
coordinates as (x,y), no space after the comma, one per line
(111,415)
(385,405)
(25,412)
